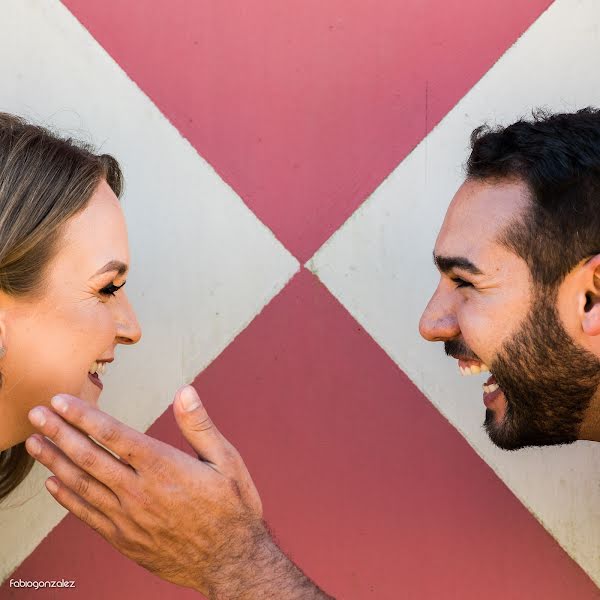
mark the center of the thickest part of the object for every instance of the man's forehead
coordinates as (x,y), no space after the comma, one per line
(478,213)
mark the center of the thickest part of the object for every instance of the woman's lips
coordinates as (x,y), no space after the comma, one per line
(95,380)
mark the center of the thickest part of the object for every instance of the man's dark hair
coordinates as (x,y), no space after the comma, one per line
(558,157)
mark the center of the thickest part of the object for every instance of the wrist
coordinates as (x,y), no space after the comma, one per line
(260,569)
(234,563)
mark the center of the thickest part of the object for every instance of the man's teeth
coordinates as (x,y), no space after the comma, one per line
(99,368)
(473,369)
(488,389)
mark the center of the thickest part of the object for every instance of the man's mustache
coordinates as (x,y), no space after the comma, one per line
(458,349)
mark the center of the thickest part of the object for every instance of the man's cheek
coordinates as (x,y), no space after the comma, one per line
(478,335)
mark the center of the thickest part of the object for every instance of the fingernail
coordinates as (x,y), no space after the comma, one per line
(36,416)
(33,446)
(189,399)
(59,403)
(51,486)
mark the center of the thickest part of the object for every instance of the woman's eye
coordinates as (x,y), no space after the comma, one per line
(110,290)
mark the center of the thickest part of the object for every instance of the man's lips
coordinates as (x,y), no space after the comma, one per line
(491,389)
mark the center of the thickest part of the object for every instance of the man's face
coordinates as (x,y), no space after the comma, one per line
(490,317)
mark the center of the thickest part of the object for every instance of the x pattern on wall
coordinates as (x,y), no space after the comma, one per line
(335,131)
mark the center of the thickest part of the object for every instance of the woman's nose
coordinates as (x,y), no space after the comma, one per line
(438,322)
(128,328)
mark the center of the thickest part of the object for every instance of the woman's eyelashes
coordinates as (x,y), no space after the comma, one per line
(110,289)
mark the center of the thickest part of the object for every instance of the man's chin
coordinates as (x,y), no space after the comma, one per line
(500,433)
(506,435)
(499,429)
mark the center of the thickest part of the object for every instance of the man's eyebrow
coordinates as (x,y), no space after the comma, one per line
(448,263)
(114,265)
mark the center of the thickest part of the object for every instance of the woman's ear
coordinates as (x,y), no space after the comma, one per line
(590,297)
(6,302)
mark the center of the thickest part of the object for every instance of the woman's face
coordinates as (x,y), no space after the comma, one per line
(53,342)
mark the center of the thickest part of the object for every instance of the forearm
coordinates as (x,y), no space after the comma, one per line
(264,572)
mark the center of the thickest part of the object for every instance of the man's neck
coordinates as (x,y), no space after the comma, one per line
(590,427)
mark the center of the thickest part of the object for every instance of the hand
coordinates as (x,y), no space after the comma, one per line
(190,521)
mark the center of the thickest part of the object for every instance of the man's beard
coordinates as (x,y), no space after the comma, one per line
(547,379)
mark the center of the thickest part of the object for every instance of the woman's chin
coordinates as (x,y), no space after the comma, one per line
(91,390)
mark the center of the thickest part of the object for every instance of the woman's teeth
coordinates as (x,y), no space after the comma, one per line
(473,369)
(99,368)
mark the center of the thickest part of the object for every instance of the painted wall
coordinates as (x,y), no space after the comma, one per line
(288,166)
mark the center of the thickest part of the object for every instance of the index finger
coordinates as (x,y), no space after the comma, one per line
(129,444)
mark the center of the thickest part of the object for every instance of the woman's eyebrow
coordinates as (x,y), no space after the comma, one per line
(113,265)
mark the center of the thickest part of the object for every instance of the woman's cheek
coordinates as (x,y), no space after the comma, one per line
(96,327)
(84,336)
(105,330)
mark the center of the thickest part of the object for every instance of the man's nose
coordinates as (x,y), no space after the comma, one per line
(128,328)
(438,322)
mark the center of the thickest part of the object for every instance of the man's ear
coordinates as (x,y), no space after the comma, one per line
(589,301)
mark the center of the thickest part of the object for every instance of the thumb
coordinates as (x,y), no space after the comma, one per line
(196,426)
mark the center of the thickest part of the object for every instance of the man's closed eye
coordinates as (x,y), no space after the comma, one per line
(461,283)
